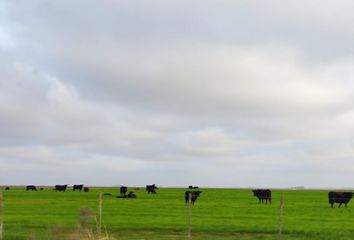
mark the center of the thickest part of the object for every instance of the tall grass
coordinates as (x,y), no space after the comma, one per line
(86,230)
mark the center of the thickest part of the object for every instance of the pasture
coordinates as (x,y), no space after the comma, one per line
(220,214)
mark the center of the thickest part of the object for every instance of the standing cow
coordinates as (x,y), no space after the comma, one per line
(123,190)
(151,189)
(78,187)
(339,197)
(60,188)
(263,194)
(193,195)
(31,187)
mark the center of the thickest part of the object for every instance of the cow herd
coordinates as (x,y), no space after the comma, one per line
(193,193)
(58,188)
(265,196)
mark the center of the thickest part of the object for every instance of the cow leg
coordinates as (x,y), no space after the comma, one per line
(339,205)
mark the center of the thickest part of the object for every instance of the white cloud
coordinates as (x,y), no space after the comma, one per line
(261,89)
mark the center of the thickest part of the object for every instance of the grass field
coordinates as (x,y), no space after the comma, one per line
(218,214)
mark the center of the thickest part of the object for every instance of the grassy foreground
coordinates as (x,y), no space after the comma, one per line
(220,214)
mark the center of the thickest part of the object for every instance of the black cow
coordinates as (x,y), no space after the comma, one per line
(151,189)
(129,195)
(86,189)
(339,197)
(123,190)
(60,188)
(263,194)
(31,187)
(7,188)
(78,187)
(194,196)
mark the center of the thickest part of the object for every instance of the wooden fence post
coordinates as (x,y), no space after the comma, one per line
(280,219)
(1,214)
(99,223)
(189,216)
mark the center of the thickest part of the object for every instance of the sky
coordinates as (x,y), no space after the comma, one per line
(210,93)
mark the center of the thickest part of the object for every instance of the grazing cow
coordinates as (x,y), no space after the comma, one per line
(41,189)
(31,187)
(60,188)
(86,189)
(194,196)
(123,190)
(339,197)
(263,194)
(7,188)
(78,187)
(151,189)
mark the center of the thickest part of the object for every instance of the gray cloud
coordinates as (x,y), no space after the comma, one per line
(234,94)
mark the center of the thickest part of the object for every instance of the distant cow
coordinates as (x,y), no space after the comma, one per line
(78,187)
(60,188)
(129,195)
(86,189)
(193,187)
(123,190)
(194,196)
(263,194)
(151,189)
(7,188)
(31,187)
(339,197)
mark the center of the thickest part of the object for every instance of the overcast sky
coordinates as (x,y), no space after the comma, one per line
(226,93)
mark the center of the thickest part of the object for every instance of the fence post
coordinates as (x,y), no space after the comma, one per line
(99,223)
(189,216)
(1,214)
(280,219)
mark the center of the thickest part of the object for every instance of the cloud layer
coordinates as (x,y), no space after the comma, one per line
(234,94)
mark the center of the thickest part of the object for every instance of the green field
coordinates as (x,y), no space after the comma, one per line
(217,214)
